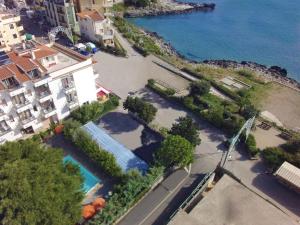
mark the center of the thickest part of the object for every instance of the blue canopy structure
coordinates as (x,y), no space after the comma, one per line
(125,158)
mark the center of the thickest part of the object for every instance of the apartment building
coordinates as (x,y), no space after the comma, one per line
(94,27)
(11,30)
(61,13)
(40,84)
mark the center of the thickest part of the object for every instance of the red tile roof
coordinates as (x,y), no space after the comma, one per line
(94,15)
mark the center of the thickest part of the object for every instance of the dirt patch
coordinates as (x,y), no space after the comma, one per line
(284,103)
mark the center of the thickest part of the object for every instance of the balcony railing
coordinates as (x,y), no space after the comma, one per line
(27,120)
(22,104)
(5,131)
(43,94)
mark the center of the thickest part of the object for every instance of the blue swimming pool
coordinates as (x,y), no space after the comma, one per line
(89,179)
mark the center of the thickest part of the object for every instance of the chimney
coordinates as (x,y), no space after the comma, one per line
(32,55)
(24,45)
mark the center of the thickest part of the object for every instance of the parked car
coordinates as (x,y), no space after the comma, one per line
(83,52)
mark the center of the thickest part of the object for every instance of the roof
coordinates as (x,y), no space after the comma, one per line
(289,173)
(125,158)
(229,202)
(90,14)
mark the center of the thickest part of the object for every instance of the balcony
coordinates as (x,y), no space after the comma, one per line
(27,122)
(48,112)
(73,104)
(21,107)
(108,4)
(42,81)
(44,96)
(20,28)
(68,88)
(5,131)
(16,90)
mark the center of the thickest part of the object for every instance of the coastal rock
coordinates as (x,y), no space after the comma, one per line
(177,8)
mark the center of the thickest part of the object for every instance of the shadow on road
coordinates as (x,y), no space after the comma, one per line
(179,199)
(117,122)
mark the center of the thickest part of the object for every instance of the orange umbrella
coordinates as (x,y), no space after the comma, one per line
(99,203)
(58,129)
(88,211)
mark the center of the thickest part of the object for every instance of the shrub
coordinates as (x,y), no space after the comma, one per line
(199,88)
(82,140)
(94,110)
(160,91)
(251,146)
(144,110)
(274,157)
(126,195)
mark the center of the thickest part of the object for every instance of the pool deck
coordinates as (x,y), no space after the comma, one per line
(100,189)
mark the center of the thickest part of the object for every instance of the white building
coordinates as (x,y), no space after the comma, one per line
(11,30)
(94,27)
(61,13)
(40,84)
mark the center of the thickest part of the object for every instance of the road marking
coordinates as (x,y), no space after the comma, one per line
(167,196)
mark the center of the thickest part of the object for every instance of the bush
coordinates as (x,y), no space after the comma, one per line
(199,88)
(251,146)
(144,110)
(160,91)
(92,111)
(126,195)
(82,140)
(274,157)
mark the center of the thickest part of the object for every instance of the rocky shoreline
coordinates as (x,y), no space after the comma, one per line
(169,7)
(272,73)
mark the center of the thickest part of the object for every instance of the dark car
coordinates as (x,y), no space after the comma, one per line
(82,52)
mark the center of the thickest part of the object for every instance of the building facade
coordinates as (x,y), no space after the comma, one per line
(61,13)
(94,27)
(11,30)
(41,84)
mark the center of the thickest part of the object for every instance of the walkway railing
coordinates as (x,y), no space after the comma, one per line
(199,189)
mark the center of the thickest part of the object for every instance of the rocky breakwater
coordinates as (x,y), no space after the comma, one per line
(168,7)
(273,73)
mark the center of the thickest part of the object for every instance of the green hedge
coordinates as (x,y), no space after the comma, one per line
(126,195)
(160,91)
(251,146)
(226,91)
(83,141)
(92,111)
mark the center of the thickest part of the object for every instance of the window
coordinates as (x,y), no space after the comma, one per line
(11,26)
(29,92)
(11,118)
(10,82)
(3,102)
(35,108)
(3,126)
(15,36)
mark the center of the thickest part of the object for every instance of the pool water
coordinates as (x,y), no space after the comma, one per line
(89,179)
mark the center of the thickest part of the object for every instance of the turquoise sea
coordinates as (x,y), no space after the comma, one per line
(263,31)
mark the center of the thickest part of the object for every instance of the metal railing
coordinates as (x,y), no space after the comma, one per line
(199,188)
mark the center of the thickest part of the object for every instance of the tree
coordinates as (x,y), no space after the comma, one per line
(249,111)
(187,129)
(274,157)
(144,110)
(36,187)
(199,88)
(175,151)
